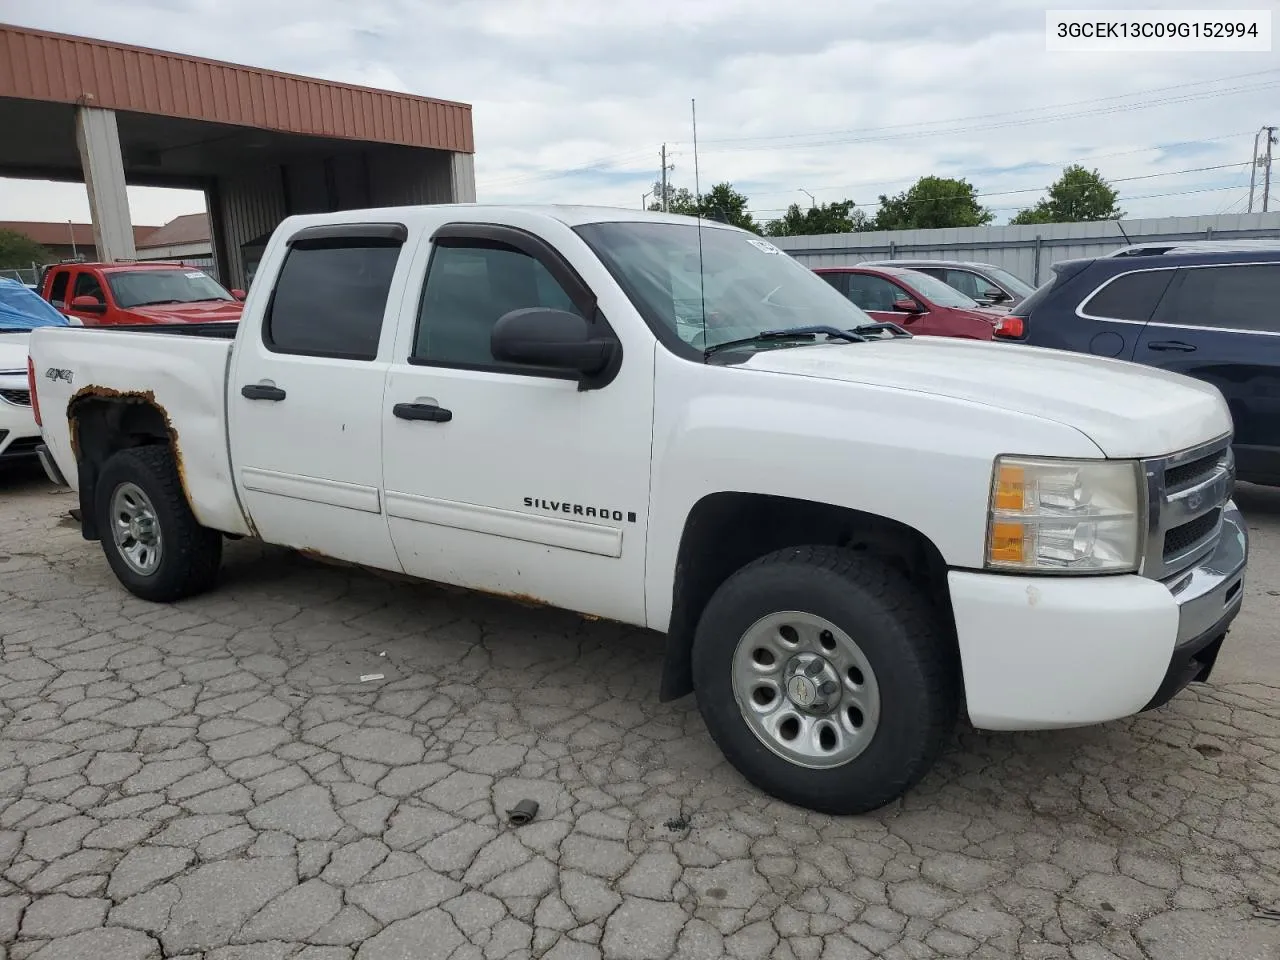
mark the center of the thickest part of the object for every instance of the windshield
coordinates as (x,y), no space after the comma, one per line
(139,288)
(747,284)
(1011,283)
(942,294)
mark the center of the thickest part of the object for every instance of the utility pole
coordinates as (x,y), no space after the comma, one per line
(1266,176)
(665,167)
(1261,160)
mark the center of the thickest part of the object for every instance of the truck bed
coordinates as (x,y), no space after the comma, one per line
(180,369)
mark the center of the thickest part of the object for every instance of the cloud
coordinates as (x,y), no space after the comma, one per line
(573,98)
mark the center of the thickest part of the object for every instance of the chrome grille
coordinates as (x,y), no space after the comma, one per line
(20,397)
(1185,496)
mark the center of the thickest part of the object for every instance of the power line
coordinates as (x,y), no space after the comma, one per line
(920,134)
(598,163)
(1054,163)
(1005,113)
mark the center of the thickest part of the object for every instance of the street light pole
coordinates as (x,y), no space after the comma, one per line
(812,202)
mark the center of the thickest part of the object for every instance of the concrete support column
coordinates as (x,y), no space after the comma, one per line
(98,140)
(462,177)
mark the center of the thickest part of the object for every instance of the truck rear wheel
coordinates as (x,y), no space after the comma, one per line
(825,679)
(152,540)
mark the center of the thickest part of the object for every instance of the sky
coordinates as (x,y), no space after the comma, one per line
(838,99)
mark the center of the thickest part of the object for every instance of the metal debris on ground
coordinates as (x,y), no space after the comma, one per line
(523,812)
(365,678)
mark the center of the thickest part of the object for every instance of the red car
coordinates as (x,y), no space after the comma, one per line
(108,294)
(915,301)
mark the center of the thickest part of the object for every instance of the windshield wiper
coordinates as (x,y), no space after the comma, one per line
(856,335)
(156,303)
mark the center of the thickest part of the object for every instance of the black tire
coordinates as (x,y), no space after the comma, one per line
(912,656)
(190,555)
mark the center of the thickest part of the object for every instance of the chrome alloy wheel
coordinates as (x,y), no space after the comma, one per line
(806,689)
(136,529)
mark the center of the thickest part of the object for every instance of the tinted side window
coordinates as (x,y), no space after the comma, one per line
(330,298)
(967,283)
(873,293)
(1238,297)
(468,288)
(838,280)
(87,285)
(58,291)
(1132,296)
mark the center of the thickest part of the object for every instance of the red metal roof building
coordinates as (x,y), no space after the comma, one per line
(261,144)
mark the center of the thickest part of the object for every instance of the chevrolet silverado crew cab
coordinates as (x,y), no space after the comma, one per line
(843,531)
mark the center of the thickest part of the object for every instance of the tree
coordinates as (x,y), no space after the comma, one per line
(679,200)
(840,217)
(721,201)
(19,250)
(930,203)
(1076,196)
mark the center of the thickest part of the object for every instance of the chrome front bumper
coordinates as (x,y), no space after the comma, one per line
(1209,594)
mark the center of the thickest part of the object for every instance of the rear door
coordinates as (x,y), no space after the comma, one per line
(305,396)
(1113,316)
(1221,324)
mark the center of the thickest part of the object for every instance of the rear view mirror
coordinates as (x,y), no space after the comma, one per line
(907,305)
(995,295)
(238,293)
(542,337)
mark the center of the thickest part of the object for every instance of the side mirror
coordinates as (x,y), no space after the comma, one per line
(238,293)
(542,337)
(88,304)
(907,305)
(995,295)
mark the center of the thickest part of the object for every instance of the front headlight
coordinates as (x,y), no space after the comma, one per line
(1065,516)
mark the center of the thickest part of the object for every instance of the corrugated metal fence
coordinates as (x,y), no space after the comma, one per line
(1026,251)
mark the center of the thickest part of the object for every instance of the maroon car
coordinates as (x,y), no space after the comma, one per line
(915,301)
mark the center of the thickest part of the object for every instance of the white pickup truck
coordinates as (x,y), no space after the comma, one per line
(843,531)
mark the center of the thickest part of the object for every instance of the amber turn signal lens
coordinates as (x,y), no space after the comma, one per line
(1011,486)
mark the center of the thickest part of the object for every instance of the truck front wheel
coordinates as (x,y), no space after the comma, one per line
(152,540)
(825,679)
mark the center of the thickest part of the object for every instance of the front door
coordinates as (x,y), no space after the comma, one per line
(876,296)
(305,397)
(1219,324)
(508,478)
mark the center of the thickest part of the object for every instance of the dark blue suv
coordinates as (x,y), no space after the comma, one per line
(1213,316)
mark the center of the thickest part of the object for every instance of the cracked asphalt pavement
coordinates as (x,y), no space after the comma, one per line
(213,781)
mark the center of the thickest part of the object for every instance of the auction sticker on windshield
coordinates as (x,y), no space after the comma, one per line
(764,245)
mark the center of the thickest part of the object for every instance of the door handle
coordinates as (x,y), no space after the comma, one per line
(261,391)
(422,411)
(1175,346)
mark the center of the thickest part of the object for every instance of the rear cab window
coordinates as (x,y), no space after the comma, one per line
(1131,297)
(330,297)
(58,287)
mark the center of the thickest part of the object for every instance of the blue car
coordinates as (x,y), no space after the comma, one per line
(1210,315)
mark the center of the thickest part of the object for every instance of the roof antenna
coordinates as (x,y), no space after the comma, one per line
(1127,241)
(697,190)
